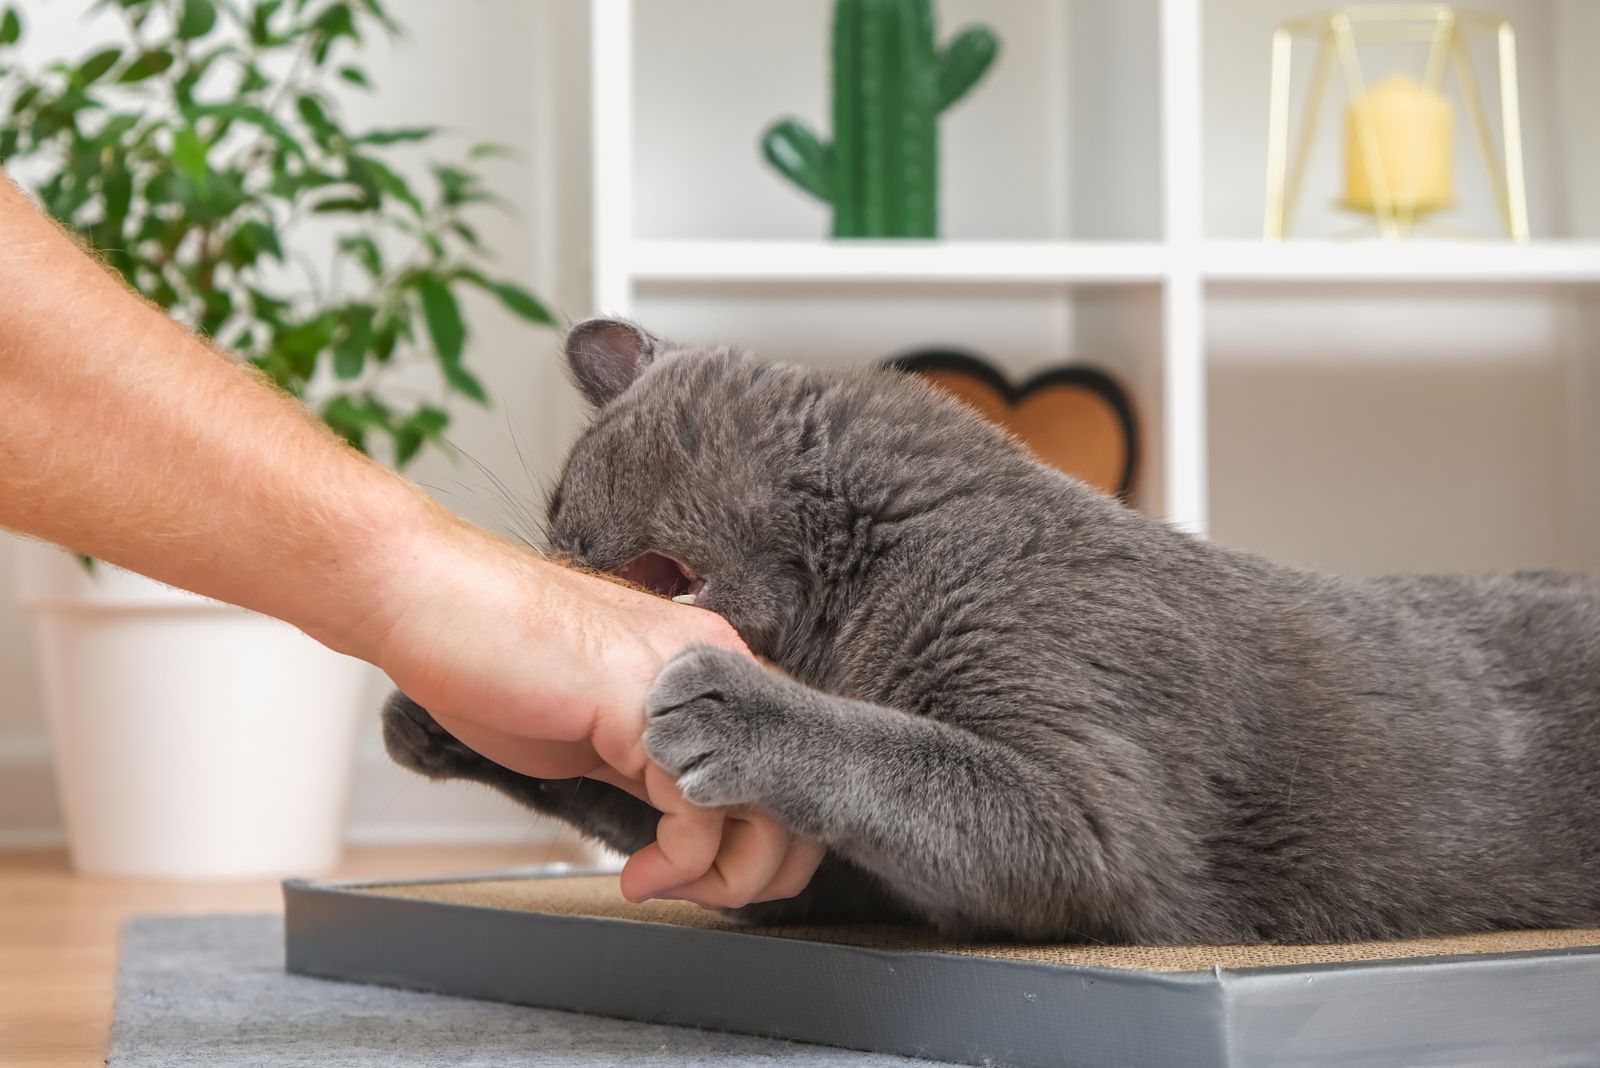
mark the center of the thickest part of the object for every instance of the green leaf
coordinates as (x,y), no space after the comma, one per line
(407,443)
(299,344)
(394,136)
(462,381)
(10,27)
(355,76)
(253,81)
(431,421)
(523,303)
(267,307)
(254,116)
(341,205)
(376,10)
(516,299)
(443,316)
(365,251)
(195,71)
(467,234)
(189,152)
(459,187)
(197,19)
(116,189)
(378,180)
(218,306)
(316,117)
(252,240)
(350,352)
(147,65)
(95,67)
(335,22)
(489,150)
(349,420)
(25,99)
(260,19)
(425,424)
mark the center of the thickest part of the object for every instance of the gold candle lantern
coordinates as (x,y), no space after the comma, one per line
(1398,134)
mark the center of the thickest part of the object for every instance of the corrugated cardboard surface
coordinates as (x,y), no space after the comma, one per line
(598,896)
(1515,999)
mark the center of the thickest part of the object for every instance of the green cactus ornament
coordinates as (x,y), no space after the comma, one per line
(890,83)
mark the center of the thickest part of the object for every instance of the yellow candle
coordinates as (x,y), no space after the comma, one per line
(1411,129)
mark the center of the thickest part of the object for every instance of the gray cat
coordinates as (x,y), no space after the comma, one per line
(1017,709)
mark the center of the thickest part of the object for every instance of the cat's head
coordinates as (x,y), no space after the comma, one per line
(705,472)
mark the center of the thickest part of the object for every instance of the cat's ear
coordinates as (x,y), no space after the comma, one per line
(606,355)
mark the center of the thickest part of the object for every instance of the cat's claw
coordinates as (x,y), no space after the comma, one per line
(702,725)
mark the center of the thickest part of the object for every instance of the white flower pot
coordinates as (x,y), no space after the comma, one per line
(192,739)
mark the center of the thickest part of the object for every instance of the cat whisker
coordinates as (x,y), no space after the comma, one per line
(523,523)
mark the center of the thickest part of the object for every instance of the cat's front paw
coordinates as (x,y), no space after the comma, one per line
(704,711)
(416,741)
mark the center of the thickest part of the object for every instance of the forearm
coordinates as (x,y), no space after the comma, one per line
(127,437)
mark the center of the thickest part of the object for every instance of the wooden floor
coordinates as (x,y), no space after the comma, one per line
(58,936)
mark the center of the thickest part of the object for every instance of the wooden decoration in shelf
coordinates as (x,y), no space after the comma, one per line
(1076,419)
(1398,133)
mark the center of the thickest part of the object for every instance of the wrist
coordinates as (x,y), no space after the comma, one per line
(372,569)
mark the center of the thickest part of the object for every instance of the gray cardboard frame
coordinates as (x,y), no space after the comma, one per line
(1527,1010)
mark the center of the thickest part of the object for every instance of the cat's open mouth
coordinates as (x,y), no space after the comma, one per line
(661,574)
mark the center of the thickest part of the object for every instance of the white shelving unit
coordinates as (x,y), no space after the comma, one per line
(967,262)
(1051,263)
(1191,266)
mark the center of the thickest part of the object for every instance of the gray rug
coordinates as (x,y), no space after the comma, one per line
(211,990)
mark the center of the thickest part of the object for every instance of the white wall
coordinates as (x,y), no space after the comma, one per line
(1362,449)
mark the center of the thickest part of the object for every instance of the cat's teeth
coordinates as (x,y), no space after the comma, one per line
(685,598)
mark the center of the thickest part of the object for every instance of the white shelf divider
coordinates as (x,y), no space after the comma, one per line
(611,88)
(1183,371)
(977,262)
(1407,262)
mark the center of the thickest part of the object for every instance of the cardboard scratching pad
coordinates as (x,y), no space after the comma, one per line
(1076,419)
(1522,998)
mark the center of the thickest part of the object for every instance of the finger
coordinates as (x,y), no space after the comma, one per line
(684,849)
(687,840)
(794,875)
(526,756)
(752,851)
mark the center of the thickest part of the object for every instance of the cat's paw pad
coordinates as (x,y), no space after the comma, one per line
(701,725)
(416,741)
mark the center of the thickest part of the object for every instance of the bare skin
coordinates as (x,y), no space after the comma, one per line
(128,438)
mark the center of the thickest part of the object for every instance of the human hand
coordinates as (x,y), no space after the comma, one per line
(544,670)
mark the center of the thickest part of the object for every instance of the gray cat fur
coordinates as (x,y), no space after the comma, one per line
(1016,708)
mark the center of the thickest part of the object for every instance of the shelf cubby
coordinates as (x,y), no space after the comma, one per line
(1103,201)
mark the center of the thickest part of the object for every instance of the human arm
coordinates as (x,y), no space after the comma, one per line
(126,437)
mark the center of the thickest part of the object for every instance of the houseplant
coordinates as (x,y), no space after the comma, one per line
(206,161)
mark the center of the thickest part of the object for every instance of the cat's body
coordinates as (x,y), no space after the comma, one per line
(1018,709)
